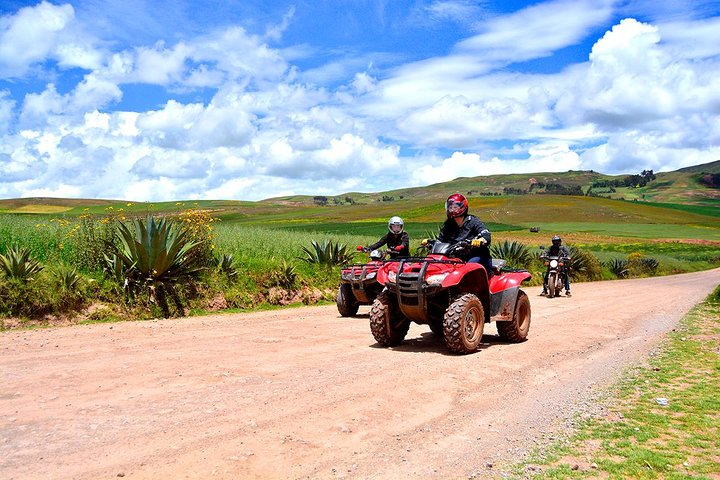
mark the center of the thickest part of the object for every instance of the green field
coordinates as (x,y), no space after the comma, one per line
(266,239)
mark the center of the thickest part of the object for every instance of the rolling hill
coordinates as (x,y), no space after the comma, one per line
(574,201)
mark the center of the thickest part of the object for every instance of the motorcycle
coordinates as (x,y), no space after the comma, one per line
(358,283)
(454,298)
(556,271)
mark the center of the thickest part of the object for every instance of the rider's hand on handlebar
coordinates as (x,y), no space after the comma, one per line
(398,248)
(478,242)
(424,241)
(365,249)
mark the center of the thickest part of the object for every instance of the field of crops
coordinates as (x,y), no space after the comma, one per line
(265,245)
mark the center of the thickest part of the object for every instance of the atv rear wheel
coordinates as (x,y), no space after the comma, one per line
(517,329)
(387,324)
(347,304)
(463,324)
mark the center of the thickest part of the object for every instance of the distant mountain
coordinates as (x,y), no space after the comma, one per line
(690,185)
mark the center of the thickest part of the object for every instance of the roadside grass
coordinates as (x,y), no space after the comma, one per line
(662,420)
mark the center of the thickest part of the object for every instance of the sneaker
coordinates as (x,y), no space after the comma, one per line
(543,293)
(567,293)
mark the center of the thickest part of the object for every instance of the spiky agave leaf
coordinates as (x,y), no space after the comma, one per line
(157,250)
(619,267)
(514,253)
(18,265)
(327,253)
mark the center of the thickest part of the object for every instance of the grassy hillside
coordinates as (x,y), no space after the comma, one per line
(675,206)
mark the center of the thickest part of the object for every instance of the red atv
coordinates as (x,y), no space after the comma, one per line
(358,283)
(453,297)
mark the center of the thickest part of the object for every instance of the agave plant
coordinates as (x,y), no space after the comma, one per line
(327,253)
(618,266)
(68,279)
(284,276)
(226,265)
(583,264)
(156,254)
(514,253)
(17,264)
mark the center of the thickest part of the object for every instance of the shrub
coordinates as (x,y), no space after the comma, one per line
(514,253)
(284,276)
(641,266)
(584,265)
(618,266)
(156,256)
(17,264)
(226,266)
(327,253)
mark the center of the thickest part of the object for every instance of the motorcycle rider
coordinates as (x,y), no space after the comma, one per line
(557,249)
(397,239)
(459,226)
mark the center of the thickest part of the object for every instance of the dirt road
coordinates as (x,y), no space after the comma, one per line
(304,393)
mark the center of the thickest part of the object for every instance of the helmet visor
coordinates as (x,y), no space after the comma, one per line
(396,227)
(453,206)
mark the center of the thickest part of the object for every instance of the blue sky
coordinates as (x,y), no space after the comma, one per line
(178,100)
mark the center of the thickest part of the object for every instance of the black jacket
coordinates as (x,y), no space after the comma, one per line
(557,251)
(393,240)
(471,228)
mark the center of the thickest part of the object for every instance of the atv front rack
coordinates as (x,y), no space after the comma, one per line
(410,288)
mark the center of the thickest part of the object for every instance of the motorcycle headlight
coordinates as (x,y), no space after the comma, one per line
(370,275)
(392,276)
(553,263)
(436,279)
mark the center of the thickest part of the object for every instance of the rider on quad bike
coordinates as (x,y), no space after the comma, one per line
(397,239)
(453,296)
(461,226)
(358,282)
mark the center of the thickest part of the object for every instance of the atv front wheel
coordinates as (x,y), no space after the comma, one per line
(387,324)
(347,304)
(463,324)
(517,329)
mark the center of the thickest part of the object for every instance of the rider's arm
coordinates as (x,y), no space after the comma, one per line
(379,243)
(481,231)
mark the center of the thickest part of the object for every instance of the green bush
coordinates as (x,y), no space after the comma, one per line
(641,266)
(17,264)
(618,266)
(157,256)
(584,266)
(327,253)
(516,254)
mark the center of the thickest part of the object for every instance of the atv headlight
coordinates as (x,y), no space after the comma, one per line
(392,276)
(370,275)
(553,263)
(436,279)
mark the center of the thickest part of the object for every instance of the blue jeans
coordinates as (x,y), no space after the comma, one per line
(485,262)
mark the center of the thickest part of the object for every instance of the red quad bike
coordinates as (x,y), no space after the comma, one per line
(453,297)
(358,283)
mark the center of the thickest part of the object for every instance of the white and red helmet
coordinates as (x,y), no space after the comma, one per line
(396,225)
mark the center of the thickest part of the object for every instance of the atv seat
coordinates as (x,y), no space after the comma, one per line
(497,264)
